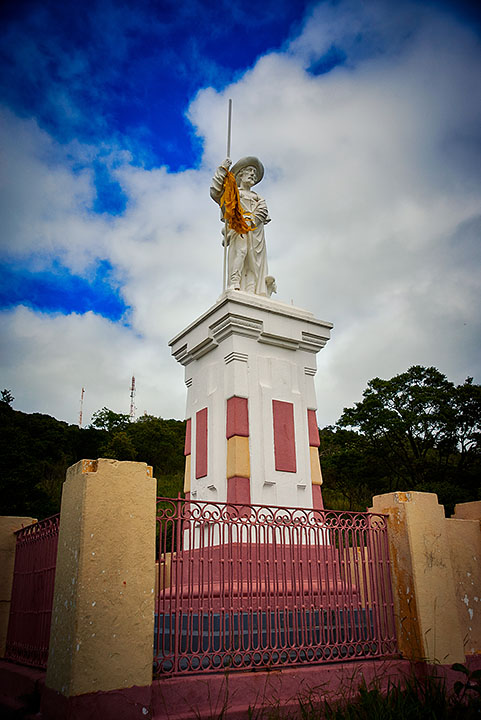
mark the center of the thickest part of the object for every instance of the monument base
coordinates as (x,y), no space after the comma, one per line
(252,434)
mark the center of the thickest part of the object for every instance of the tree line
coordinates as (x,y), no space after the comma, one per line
(415,431)
(36,450)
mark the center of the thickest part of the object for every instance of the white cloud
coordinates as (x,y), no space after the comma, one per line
(49,358)
(44,202)
(373,184)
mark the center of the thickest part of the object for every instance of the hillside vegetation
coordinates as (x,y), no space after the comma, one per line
(416,431)
(36,450)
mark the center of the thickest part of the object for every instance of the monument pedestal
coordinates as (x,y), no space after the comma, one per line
(252,432)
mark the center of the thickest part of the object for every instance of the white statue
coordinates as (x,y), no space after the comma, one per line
(247,263)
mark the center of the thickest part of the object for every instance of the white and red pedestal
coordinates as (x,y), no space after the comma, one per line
(252,432)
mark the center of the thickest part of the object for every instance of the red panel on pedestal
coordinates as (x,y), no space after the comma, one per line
(313,429)
(237,417)
(239,490)
(188,431)
(201,443)
(284,436)
(317,502)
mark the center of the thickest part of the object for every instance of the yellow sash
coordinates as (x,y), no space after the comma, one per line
(230,203)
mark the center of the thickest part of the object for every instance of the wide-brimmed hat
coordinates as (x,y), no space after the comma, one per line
(249,162)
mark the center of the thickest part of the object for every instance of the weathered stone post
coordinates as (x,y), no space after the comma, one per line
(103,613)
(8,526)
(464,533)
(423,579)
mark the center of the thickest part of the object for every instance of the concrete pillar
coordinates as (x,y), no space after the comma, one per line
(423,579)
(103,613)
(8,526)
(464,533)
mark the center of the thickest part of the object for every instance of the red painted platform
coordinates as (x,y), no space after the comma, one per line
(261,575)
(204,697)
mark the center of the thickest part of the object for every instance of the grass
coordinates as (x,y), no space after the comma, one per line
(415,698)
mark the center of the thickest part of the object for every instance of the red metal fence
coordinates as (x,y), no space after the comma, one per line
(252,586)
(32,593)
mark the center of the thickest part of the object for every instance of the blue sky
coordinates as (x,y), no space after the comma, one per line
(122,74)
(126,72)
(113,117)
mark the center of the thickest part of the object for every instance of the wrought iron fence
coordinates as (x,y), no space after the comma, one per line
(32,593)
(252,586)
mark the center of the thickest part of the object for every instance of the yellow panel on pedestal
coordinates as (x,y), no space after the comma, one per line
(316,475)
(187,473)
(238,461)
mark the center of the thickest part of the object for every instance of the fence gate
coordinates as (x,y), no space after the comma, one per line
(28,632)
(241,587)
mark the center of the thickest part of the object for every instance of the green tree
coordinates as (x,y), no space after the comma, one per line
(7,397)
(350,469)
(468,423)
(119,447)
(159,443)
(35,452)
(109,420)
(423,431)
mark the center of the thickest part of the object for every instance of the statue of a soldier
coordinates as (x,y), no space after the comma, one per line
(245,214)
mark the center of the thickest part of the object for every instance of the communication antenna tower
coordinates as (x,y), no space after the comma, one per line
(80,417)
(132,399)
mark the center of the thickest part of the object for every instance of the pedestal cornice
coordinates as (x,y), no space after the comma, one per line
(268,321)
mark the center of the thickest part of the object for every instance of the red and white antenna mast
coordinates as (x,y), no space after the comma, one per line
(132,399)
(80,417)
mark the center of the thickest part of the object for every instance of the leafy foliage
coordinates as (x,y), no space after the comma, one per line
(109,420)
(36,450)
(349,469)
(416,431)
(470,686)
(7,397)
(119,446)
